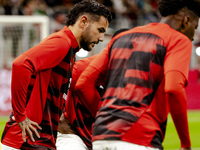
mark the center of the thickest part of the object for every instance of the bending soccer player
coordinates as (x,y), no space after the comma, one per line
(75,126)
(40,78)
(147,70)
(74,129)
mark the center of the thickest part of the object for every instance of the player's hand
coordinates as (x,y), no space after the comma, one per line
(185,148)
(27,126)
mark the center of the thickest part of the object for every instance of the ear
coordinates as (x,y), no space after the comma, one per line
(185,23)
(83,21)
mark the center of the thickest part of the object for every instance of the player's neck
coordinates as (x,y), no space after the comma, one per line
(173,21)
(76,32)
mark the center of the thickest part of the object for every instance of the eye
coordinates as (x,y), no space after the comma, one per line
(101,30)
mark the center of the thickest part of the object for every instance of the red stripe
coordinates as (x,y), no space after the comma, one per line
(130,92)
(137,74)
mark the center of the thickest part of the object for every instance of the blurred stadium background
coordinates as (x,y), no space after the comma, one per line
(24,23)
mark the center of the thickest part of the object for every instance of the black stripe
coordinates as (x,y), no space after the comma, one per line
(82,108)
(139,82)
(118,63)
(70,54)
(163,127)
(54,122)
(87,121)
(53,108)
(33,76)
(78,123)
(47,129)
(87,141)
(64,87)
(27,146)
(67,58)
(115,78)
(148,99)
(30,87)
(112,138)
(122,42)
(109,97)
(124,102)
(61,71)
(99,130)
(45,140)
(160,55)
(125,41)
(76,50)
(118,114)
(54,91)
(120,82)
(157,140)
(140,60)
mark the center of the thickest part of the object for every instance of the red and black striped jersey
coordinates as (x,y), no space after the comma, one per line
(134,107)
(40,79)
(79,112)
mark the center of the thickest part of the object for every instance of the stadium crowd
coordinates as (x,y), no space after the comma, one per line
(126,13)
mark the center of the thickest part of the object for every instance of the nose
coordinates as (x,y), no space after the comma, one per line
(101,37)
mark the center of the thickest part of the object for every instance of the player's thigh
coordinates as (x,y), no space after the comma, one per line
(69,142)
(5,147)
(118,145)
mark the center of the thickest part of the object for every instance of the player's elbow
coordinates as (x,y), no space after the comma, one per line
(170,90)
(176,89)
(22,63)
(78,87)
(17,64)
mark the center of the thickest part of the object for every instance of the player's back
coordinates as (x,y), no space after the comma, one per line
(135,72)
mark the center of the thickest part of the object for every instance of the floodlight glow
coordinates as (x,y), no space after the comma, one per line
(198,51)
(82,53)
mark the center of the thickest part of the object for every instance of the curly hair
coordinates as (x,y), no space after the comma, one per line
(91,7)
(194,6)
(171,7)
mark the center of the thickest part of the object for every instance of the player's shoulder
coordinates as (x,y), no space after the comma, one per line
(169,34)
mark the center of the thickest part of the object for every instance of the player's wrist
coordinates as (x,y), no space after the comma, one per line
(186,145)
(185,148)
(20,117)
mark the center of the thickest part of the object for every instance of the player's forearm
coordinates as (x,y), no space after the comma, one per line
(85,87)
(175,94)
(178,110)
(86,84)
(21,74)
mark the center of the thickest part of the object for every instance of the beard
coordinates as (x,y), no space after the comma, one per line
(85,44)
(86,40)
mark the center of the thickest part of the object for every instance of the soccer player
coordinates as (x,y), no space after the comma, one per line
(147,70)
(75,126)
(40,78)
(74,129)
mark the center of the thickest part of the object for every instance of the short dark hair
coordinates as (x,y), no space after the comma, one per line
(90,7)
(171,7)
